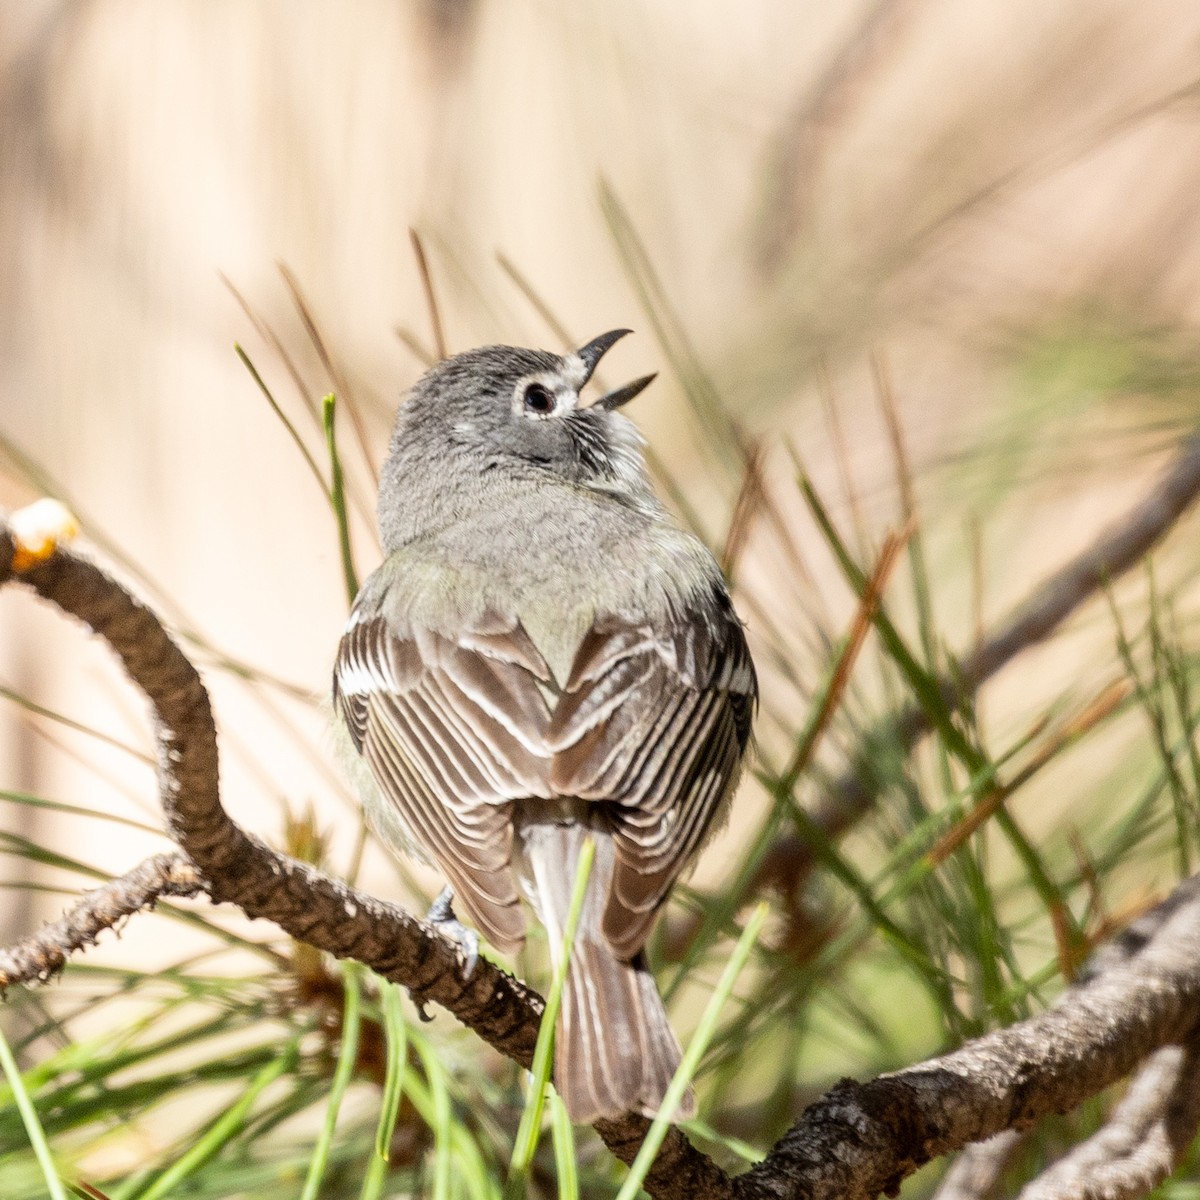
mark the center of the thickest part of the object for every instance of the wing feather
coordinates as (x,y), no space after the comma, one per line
(654,791)
(454,733)
(652,726)
(656,741)
(646,871)
(442,834)
(395,772)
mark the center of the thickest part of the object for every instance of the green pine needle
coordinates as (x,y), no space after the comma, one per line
(224,1129)
(393,1090)
(347,1057)
(29,1118)
(564,1148)
(293,432)
(692,1056)
(337,496)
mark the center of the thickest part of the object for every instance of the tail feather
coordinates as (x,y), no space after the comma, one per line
(615,1051)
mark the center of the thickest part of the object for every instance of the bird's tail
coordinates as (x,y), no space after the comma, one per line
(615,1051)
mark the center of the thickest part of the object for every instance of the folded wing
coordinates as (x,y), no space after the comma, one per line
(653,723)
(454,732)
(650,726)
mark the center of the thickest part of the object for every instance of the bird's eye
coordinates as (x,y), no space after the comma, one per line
(539,400)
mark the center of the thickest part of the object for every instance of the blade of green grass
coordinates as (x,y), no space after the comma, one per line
(393,1090)
(692,1056)
(337,377)
(347,1057)
(29,1118)
(543,1055)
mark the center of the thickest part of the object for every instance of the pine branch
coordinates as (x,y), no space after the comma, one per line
(1144,1140)
(44,954)
(237,868)
(862,1139)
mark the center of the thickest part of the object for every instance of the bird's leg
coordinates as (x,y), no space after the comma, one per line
(441,917)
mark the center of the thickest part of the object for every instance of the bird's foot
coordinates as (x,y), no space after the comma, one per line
(441,917)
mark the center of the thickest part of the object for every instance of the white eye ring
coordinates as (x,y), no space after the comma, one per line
(538,400)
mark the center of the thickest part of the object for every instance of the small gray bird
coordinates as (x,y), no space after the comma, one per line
(544,654)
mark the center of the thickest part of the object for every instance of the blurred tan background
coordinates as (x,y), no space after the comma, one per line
(1000,196)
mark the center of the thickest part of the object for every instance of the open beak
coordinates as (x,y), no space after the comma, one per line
(623,395)
(597,348)
(593,352)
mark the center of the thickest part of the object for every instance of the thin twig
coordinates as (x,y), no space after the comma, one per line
(44,954)
(435,316)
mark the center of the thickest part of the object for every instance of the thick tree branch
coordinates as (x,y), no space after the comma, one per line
(238,868)
(862,1139)
(1143,1141)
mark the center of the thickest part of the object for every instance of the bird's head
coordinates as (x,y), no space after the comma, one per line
(522,410)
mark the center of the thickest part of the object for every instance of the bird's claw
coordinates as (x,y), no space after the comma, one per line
(441,917)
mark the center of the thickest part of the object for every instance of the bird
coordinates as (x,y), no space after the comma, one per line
(546,655)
